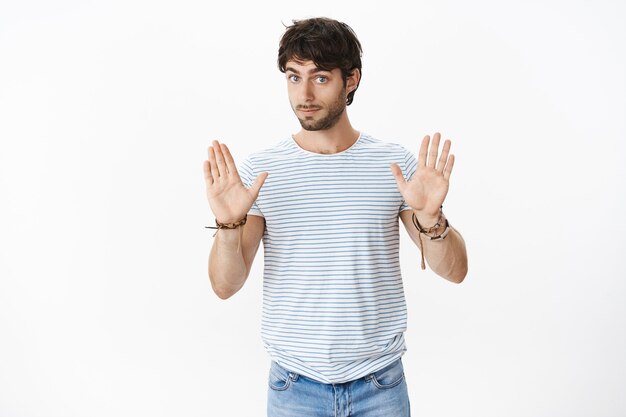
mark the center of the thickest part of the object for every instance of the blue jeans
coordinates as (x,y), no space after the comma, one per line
(379,394)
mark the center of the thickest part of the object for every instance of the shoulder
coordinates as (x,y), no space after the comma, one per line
(370,143)
(278,150)
(275,152)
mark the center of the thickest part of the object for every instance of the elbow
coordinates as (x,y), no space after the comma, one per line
(456,272)
(459,268)
(223,294)
(223,289)
(458,276)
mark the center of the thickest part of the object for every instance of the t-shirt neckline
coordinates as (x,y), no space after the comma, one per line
(356,142)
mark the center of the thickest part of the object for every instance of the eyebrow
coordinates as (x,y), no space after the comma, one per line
(311,71)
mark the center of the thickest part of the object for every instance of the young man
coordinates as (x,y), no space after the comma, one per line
(326,203)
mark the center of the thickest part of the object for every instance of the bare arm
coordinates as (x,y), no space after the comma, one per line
(447,257)
(228,267)
(230,259)
(425,193)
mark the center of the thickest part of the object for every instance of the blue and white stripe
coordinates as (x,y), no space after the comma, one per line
(333,300)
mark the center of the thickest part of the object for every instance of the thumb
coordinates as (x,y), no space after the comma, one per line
(258,183)
(397,174)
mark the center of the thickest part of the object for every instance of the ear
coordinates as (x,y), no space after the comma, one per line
(352,82)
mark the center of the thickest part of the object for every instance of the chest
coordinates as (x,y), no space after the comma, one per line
(330,188)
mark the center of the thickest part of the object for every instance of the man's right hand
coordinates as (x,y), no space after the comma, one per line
(228,198)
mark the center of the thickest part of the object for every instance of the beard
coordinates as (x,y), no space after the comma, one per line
(333,114)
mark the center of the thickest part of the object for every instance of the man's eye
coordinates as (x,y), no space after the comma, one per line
(293,78)
(322,79)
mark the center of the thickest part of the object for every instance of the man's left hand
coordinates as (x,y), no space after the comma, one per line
(426,190)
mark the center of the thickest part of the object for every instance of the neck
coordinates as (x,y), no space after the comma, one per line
(336,139)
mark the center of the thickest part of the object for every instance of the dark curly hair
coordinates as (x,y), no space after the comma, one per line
(328,43)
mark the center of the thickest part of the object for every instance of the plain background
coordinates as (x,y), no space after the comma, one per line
(106,113)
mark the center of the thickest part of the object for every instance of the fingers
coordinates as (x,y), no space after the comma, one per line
(422,156)
(208,177)
(448,170)
(255,187)
(221,162)
(444,155)
(428,157)
(230,162)
(434,149)
(397,174)
(215,174)
(219,158)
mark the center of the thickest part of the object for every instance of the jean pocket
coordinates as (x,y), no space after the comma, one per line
(389,376)
(280,379)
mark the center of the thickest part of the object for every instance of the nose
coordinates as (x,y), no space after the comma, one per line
(306,92)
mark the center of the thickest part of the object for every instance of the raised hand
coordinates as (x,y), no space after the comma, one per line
(426,190)
(228,197)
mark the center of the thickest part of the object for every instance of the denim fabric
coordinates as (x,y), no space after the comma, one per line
(379,394)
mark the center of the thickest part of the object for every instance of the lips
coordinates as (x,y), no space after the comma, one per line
(310,110)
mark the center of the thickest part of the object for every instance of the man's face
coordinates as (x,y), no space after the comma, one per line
(317,97)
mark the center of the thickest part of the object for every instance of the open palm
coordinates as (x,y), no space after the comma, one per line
(426,190)
(228,197)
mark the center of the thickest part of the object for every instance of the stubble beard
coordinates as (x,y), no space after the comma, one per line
(335,110)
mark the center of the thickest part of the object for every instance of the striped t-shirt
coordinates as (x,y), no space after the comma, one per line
(333,300)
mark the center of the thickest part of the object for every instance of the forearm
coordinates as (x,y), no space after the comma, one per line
(227,269)
(447,257)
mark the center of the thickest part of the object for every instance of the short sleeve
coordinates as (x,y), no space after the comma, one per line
(248,175)
(408,169)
